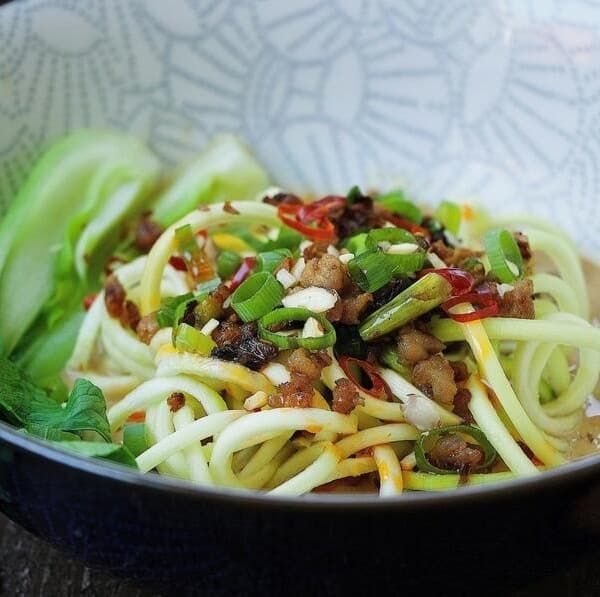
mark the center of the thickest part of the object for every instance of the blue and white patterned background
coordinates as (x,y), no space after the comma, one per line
(492,99)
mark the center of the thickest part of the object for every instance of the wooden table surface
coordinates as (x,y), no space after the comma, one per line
(31,568)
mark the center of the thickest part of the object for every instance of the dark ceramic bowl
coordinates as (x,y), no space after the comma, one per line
(492,99)
(168,533)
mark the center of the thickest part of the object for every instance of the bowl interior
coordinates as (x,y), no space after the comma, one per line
(493,101)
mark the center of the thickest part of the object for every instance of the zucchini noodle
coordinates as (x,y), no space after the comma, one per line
(213,420)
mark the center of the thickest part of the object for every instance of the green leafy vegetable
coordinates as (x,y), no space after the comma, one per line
(76,197)
(113,452)
(168,309)
(226,170)
(85,410)
(134,438)
(24,404)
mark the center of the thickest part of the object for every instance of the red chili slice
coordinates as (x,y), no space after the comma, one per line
(289,214)
(248,264)
(178,263)
(317,210)
(485,304)
(139,416)
(408,225)
(88,301)
(378,389)
(460,280)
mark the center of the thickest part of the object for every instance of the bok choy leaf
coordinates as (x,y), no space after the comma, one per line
(224,171)
(64,222)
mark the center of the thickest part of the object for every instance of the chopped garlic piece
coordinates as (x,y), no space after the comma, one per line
(436,261)
(332,251)
(504,288)
(402,249)
(210,326)
(286,279)
(276,373)
(346,257)
(409,462)
(420,412)
(513,268)
(298,268)
(257,400)
(312,328)
(304,245)
(312,298)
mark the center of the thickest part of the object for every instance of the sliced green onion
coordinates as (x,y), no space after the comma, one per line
(186,241)
(449,214)
(389,358)
(134,438)
(370,270)
(396,202)
(473,432)
(356,244)
(291,314)
(256,296)
(269,260)
(425,294)
(406,264)
(189,339)
(390,235)
(503,254)
(353,195)
(228,263)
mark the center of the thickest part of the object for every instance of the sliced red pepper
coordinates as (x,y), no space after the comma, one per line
(89,300)
(485,304)
(139,416)
(289,215)
(460,280)
(248,264)
(317,210)
(378,389)
(408,225)
(178,263)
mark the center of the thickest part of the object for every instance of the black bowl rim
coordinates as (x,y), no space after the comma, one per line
(578,470)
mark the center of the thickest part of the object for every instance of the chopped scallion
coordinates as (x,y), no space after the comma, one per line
(269,260)
(426,466)
(397,203)
(449,214)
(503,254)
(292,314)
(228,263)
(425,294)
(371,270)
(256,296)
(189,339)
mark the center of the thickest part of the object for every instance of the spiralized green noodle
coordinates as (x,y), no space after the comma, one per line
(529,380)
